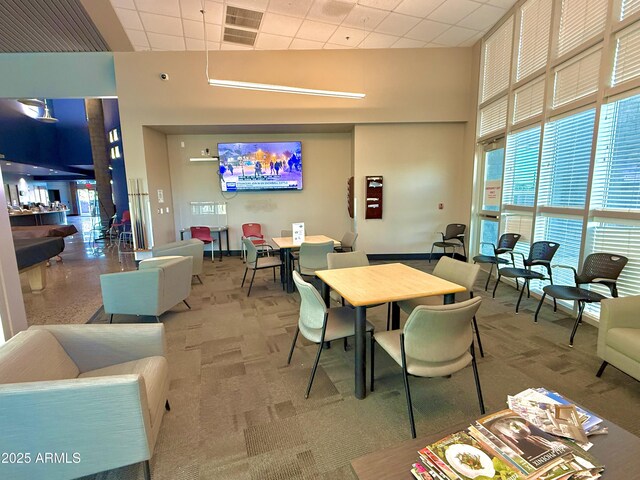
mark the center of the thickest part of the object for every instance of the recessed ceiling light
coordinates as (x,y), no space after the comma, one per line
(35,166)
(51,169)
(8,163)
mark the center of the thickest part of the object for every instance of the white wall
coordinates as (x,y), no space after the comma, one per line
(422,165)
(322,203)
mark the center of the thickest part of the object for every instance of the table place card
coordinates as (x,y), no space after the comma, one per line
(298,233)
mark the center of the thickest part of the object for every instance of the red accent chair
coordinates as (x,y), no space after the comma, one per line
(204,234)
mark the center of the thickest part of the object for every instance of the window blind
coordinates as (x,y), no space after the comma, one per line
(616,179)
(566,155)
(521,167)
(628,8)
(497,61)
(580,20)
(528,100)
(533,47)
(626,62)
(493,117)
(568,233)
(518,223)
(576,78)
(611,237)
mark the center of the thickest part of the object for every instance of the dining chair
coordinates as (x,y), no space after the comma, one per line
(436,341)
(320,324)
(452,237)
(598,268)
(347,242)
(454,271)
(540,255)
(506,244)
(203,234)
(313,256)
(255,262)
(253,231)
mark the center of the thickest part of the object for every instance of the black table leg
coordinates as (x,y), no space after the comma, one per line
(288,270)
(449,298)
(326,291)
(360,352)
(395,316)
(226,233)
(220,243)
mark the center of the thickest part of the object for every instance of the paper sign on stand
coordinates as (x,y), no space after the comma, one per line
(298,233)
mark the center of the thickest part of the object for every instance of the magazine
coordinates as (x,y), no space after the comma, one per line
(469,459)
(591,423)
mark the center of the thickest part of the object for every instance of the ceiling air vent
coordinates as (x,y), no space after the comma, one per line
(240,17)
(243,37)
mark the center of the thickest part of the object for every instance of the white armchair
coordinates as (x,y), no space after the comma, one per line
(193,248)
(93,395)
(158,285)
(619,335)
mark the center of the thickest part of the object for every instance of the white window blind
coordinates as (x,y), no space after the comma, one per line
(497,61)
(626,63)
(616,179)
(568,233)
(528,100)
(521,167)
(533,47)
(576,78)
(518,223)
(493,117)
(610,236)
(580,20)
(628,8)
(566,155)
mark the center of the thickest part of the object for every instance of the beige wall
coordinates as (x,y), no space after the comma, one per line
(417,93)
(322,205)
(159,178)
(422,165)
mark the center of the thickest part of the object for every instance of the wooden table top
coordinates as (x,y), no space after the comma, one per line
(617,450)
(390,282)
(287,242)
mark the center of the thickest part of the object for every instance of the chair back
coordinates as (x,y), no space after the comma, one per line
(603,268)
(347,259)
(313,256)
(252,252)
(126,216)
(201,233)
(455,271)
(507,243)
(541,253)
(454,230)
(348,239)
(440,333)
(312,307)
(252,230)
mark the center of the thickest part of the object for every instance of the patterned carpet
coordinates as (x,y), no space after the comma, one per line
(238,411)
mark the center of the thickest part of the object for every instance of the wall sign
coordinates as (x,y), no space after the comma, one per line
(373,200)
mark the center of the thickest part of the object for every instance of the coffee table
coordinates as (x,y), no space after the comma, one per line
(617,450)
(285,244)
(386,283)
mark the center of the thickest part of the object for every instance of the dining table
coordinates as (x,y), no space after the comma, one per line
(375,284)
(286,245)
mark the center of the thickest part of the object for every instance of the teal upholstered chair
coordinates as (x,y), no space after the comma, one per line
(313,256)
(461,273)
(436,341)
(320,324)
(98,391)
(158,285)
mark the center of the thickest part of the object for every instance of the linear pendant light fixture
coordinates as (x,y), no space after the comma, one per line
(267,87)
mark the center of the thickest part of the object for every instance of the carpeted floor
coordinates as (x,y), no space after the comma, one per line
(238,411)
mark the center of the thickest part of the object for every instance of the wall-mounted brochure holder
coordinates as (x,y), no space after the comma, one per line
(373,200)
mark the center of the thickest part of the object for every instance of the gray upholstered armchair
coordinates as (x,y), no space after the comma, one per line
(193,248)
(158,285)
(93,394)
(619,335)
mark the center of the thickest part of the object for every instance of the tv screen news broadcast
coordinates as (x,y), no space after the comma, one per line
(260,166)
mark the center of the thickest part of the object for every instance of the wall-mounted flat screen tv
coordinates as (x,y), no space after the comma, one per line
(252,166)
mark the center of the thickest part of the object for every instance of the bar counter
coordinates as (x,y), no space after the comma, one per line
(26,219)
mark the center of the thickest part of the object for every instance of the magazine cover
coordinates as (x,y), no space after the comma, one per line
(535,446)
(489,440)
(590,421)
(470,460)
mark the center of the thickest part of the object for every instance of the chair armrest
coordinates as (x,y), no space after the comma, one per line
(488,243)
(98,346)
(103,420)
(567,267)
(133,293)
(157,262)
(620,312)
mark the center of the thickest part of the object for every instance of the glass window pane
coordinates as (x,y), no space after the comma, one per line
(488,234)
(492,179)
(521,168)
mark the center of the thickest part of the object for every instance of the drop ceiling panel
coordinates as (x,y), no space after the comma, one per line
(280,24)
(397,24)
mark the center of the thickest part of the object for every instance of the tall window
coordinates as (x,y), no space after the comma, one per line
(535,22)
(566,154)
(521,168)
(497,61)
(580,20)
